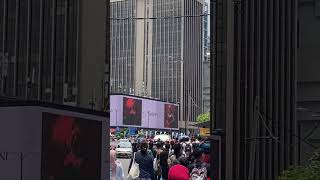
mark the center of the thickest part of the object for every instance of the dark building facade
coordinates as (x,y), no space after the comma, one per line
(255,52)
(308,82)
(53,51)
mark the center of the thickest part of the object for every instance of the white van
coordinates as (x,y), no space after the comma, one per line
(162,137)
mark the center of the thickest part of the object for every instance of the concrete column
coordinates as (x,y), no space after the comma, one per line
(140,44)
(92,53)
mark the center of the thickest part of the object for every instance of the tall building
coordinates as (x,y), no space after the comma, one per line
(255,87)
(158,57)
(53,51)
(206,61)
(308,82)
(123,46)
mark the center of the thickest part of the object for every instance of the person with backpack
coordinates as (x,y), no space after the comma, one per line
(164,155)
(198,169)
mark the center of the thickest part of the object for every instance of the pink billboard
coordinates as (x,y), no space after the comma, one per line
(142,112)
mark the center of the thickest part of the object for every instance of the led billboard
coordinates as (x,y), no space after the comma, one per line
(56,142)
(132,110)
(142,112)
(171,116)
(71,148)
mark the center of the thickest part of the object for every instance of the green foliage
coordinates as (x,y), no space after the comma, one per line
(140,134)
(315,162)
(203,117)
(311,172)
(299,173)
(120,135)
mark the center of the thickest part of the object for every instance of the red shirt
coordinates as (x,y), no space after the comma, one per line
(206,158)
(178,172)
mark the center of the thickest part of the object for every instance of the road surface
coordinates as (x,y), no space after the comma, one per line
(125,164)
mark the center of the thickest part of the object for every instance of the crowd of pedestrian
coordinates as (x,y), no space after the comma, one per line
(172,160)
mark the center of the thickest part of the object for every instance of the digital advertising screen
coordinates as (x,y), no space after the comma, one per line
(71,148)
(132,110)
(143,113)
(171,114)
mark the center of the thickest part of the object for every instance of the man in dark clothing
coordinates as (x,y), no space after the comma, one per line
(145,162)
(154,153)
(164,162)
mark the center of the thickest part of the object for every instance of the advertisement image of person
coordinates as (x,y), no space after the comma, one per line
(69,151)
(132,111)
(170,119)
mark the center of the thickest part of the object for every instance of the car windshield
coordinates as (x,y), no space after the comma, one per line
(124,140)
(124,145)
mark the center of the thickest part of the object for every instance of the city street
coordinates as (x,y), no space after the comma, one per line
(125,164)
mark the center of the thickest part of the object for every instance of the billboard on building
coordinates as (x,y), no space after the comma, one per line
(143,113)
(132,110)
(71,147)
(56,142)
(171,116)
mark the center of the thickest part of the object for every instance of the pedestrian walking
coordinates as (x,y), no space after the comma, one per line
(152,149)
(179,171)
(173,159)
(198,169)
(164,155)
(145,161)
(157,165)
(116,170)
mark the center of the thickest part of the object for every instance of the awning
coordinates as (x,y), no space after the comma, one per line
(203,124)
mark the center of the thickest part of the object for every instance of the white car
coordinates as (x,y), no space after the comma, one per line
(124,140)
(124,149)
(162,137)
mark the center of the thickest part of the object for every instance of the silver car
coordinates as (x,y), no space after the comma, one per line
(124,149)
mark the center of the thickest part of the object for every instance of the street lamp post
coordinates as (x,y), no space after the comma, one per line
(148,119)
(116,117)
(181,86)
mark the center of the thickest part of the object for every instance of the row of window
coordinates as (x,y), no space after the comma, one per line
(40,39)
(122,46)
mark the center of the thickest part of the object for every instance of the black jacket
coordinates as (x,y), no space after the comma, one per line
(145,162)
(164,158)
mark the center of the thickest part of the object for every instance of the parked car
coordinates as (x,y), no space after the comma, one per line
(124,149)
